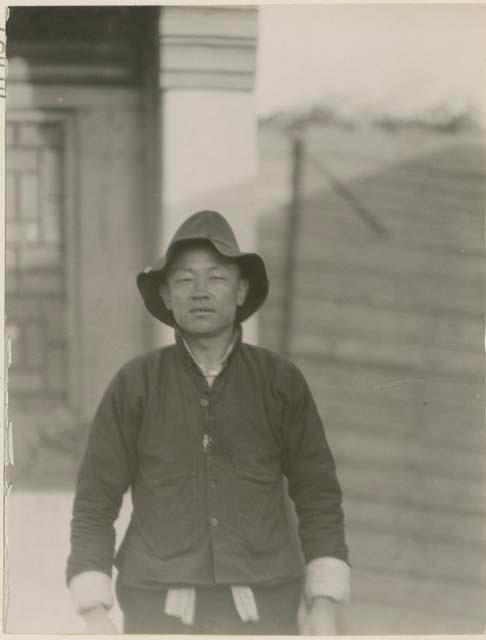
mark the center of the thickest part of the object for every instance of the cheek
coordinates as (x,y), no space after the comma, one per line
(230,294)
(178,299)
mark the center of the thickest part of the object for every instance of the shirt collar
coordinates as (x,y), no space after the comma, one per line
(214,371)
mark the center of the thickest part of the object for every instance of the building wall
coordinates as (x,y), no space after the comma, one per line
(150,105)
(36,284)
(92,203)
(389,328)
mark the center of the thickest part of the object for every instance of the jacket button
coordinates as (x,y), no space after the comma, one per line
(214,522)
(204,402)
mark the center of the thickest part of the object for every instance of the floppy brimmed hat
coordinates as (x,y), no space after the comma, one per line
(211,227)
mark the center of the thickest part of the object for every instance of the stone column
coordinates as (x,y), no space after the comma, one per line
(208,121)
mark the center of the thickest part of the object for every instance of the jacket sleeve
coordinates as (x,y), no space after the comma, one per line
(107,469)
(313,485)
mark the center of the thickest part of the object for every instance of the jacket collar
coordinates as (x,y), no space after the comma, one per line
(186,351)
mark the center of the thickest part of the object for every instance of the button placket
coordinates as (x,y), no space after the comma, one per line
(211,482)
(206,439)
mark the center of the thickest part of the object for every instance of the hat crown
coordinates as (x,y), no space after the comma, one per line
(206,225)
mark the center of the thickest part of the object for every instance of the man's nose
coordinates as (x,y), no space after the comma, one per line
(200,289)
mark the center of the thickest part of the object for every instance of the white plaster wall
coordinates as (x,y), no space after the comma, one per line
(209,141)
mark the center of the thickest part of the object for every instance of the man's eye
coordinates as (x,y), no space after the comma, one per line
(218,277)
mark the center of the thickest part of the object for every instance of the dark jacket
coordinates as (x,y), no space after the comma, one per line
(205,469)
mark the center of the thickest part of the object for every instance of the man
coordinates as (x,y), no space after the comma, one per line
(203,433)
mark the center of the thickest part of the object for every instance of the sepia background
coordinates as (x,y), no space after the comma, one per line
(344,143)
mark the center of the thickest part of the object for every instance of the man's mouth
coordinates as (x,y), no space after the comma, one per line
(202,310)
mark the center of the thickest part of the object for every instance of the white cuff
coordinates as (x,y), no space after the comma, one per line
(329,577)
(90,589)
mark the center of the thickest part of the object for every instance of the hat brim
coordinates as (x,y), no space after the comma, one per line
(252,267)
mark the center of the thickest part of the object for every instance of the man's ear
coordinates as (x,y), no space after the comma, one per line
(243,287)
(165,295)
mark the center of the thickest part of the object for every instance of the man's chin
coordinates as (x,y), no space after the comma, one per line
(203,328)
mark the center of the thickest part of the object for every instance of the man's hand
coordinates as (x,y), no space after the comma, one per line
(98,621)
(318,618)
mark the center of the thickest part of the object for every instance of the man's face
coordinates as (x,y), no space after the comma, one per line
(203,290)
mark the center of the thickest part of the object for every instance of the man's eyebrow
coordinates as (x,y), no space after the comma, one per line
(177,269)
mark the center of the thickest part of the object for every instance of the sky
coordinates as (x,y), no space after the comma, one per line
(394,58)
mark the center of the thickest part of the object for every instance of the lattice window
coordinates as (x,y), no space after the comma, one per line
(35,259)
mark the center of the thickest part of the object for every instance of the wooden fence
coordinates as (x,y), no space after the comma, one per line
(389,331)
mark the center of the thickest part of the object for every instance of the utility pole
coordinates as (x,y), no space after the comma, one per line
(293,232)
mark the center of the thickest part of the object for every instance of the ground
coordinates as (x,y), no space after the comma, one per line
(37,527)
